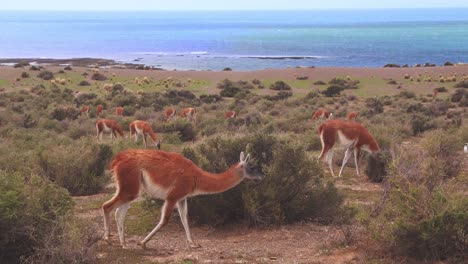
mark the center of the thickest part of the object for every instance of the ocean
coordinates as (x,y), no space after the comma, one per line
(241,40)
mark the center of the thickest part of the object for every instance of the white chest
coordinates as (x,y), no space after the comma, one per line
(106,128)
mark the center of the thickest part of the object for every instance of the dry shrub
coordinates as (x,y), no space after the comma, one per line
(425,212)
(79,168)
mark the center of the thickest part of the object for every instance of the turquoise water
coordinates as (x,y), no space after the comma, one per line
(242,40)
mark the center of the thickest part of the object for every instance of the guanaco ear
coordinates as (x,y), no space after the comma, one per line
(242,155)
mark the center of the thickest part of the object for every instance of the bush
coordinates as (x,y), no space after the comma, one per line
(67,68)
(291,191)
(210,98)
(183,128)
(332,91)
(84,83)
(441,89)
(279,96)
(407,94)
(32,212)
(61,113)
(21,64)
(227,69)
(230,91)
(392,65)
(79,167)
(320,83)
(459,95)
(46,75)
(302,78)
(421,123)
(98,77)
(377,166)
(424,216)
(448,63)
(24,75)
(462,84)
(280,86)
(34,68)
(392,82)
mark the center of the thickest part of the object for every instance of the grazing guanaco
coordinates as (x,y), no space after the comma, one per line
(99,109)
(139,127)
(119,110)
(107,125)
(188,113)
(321,113)
(352,116)
(351,135)
(170,177)
(84,110)
(230,115)
(170,113)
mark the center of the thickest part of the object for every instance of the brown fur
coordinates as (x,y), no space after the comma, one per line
(189,113)
(170,112)
(99,109)
(119,110)
(321,113)
(352,116)
(110,124)
(353,131)
(230,114)
(84,109)
(177,176)
(145,128)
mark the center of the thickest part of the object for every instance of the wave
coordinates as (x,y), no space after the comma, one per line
(158,53)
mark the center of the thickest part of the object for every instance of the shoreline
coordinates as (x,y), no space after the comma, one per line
(113,64)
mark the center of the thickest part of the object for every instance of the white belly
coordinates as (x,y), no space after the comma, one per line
(154,190)
(344,141)
(106,128)
(139,130)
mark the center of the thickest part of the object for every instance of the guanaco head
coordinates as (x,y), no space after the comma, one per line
(247,170)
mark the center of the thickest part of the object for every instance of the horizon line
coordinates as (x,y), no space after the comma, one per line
(234,10)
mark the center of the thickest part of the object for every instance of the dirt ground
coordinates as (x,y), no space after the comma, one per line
(303,242)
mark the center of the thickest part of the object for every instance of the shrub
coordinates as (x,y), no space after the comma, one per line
(392,65)
(332,91)
(84,98)
(424,216)
(34,68)
(46,75)
(79,168)
(67,68)
(407,94)
(21,64)
(65,112)
(281,95)
(393,82)
(98,77)
(84,83)
(210,99)
(421,123)
(24,75)
(32,211)
(302,78)
(183,128)
(462,84)
(280,86)
(441,89)
(459,95)
(227,69)
(448,63)
(291,191)
(344,83)
(320,83)
(377,166)
(229,91)
(256,82)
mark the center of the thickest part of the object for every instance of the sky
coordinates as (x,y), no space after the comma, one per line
(148,5)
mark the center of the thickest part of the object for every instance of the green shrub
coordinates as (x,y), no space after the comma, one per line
(407,94)
(374,105)
(183,128)
(84,83)
(441,89)
(24,75)
(21,64)
(281,95)
(34,68)
(320,83)
(98,77)
(280,86)
(292,190)
(230,91)
(46,75)
(459,95)
(392,82)
(424,216)
(448,63)
(332,91)
(377,166)
(392,65)
(62,112)
(67,68)
(32,211)
(421,123)
(344,84)
(210,98)
(462,84)
(79,168)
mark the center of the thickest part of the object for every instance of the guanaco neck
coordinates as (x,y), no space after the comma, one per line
(207,183)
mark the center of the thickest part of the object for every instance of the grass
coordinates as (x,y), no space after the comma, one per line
(140,221)
(4,83)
